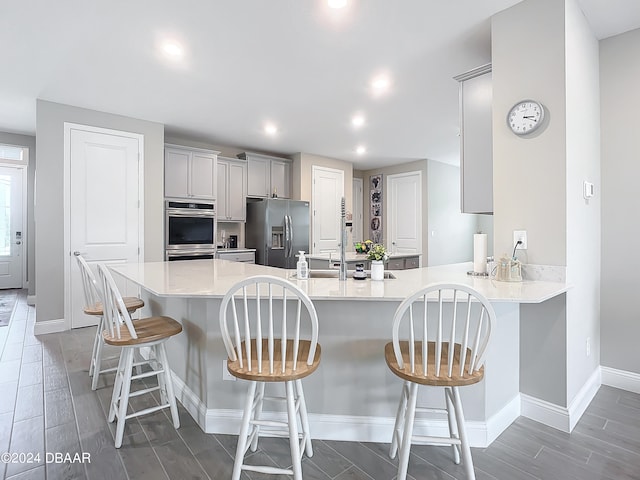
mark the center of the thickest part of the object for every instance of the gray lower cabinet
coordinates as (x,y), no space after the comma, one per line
(403,263)
(246,257)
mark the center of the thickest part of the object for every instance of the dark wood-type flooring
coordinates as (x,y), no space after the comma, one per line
(46,405)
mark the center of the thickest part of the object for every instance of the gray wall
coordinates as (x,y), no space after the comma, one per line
(619,80)
(538,181)
(30,142)
(450,231)
(49,216)
(583,216)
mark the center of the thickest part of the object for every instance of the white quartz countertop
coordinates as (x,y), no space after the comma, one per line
(354,257)
(212,279)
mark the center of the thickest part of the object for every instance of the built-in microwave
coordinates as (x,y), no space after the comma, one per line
(190,229)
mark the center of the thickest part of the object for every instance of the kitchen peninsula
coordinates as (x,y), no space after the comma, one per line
(353,395)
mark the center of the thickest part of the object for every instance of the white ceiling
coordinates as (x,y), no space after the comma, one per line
(295,63)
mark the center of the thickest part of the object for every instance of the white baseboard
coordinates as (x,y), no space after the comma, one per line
(31,300)
(345,427)
(583,398)
(562,418)
(49,326)
(622,379)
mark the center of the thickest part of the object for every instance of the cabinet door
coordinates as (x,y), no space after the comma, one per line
(258,177)
(176,173)
(202,176)
(476,152)
(236,191)
(280,178)
(221,184)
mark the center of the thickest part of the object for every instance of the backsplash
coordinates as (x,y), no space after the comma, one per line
(548,273)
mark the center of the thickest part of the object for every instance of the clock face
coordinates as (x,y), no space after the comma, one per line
(525,117)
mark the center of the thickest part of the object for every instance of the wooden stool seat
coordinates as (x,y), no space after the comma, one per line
(150,329)
(441,380)
(131,303)
(302,369)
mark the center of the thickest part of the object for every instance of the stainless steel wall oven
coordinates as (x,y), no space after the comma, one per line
(190,230)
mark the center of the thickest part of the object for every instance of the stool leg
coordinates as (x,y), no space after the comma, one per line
(405,449)
(452,424)
(168,384)
(97,356)
(96,339)
(304,419)
(124,396)
(244,431)
(256,416)
(398,426)
(156,365)
(462,432)
(117,387)
(292,417)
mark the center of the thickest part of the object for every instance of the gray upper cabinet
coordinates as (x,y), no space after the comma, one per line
(267,176)
(476,140)
(232,190)
(189,173)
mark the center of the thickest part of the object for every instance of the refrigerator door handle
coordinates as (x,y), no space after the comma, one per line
(287,236)
(290,236)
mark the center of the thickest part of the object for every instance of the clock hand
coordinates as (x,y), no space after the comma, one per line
(529,116)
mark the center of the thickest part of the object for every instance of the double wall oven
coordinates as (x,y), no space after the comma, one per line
(190,230)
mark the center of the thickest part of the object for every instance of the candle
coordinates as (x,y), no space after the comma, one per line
(480,253)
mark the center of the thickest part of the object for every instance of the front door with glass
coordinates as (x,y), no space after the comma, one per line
(12,238)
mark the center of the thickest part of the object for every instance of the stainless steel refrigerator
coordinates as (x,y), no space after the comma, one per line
(278,229)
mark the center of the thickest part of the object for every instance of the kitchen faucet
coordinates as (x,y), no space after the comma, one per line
(343,241)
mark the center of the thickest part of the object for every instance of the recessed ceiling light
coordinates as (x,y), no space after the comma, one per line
(361,150)
(357,120)
(270,129)
(172,49)
(337,3)
(380,84)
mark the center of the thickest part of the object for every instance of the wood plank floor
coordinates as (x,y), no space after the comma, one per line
(46,405)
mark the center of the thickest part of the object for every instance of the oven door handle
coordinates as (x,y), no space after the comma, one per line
(194,213)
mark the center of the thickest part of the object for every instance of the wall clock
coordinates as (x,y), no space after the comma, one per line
(525,117)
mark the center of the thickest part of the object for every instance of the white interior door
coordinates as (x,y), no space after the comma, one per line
(357,218)
(404,205)
(327,192)
(11,231)
(104,212)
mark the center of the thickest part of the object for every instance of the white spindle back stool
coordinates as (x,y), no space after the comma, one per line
(150,332)
(442,346)
(93,307)
(264,344)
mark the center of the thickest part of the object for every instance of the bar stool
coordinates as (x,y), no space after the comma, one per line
(93,307)
(150,332)
(256,308)
(444,347)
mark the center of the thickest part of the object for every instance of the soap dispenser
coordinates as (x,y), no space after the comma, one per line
(302,270)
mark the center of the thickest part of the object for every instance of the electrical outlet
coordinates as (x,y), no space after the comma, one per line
(588,346)
(225,373)
(522,236)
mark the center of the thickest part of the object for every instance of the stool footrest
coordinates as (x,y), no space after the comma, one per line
(151,373)
(442,411)
(142,392)
(266,469)
(146,410)
(428,440)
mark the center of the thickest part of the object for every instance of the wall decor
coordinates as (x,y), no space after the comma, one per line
(375,209)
